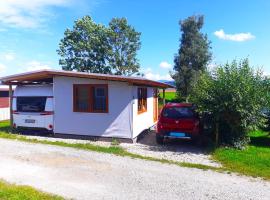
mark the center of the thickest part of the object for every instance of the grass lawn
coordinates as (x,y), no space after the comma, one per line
(253,161)
(169,96)
(14,192)
(113,149)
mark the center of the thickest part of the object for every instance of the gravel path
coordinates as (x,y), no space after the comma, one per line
(82,174)
(182,151)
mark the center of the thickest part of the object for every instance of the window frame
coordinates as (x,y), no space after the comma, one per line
(143,99)
(91,88)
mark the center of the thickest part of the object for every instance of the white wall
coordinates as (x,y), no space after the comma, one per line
(144,120)
(4,114)
(116,123)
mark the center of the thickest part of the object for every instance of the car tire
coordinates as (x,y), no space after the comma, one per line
(197,141)
(159,139)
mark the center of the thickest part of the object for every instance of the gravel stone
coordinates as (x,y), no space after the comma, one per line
(80,174)
(181,151)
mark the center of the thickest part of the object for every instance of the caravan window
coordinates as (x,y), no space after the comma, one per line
(100,98)
(82,98)
(31,104)
(142,100)
(90,98)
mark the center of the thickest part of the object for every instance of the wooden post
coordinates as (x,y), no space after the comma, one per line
(164,102)
(10,105)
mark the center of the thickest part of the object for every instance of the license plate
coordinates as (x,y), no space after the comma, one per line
(31,121)
(177,134)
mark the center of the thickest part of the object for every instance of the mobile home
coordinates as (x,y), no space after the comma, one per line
(84,104)
(4,103)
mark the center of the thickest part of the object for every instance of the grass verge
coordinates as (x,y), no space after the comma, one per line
(113,149)
(14,192)
(253,161)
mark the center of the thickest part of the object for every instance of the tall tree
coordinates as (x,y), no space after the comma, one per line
(85,48)
(193,55)
(124,43)
(91,47)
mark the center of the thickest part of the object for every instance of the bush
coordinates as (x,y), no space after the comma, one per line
(235,94)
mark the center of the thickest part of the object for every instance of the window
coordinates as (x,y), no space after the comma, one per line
(4,93)
(142,100)
(178,112)
(90,98)
(31,104)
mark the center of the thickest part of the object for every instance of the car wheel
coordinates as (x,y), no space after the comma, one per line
(160,139)
(197,141)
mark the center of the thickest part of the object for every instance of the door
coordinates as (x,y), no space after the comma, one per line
(155,104)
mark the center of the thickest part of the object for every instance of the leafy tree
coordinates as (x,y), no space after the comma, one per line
(235,94)
(193,55)
(124,43)
(91,47)
(85,48)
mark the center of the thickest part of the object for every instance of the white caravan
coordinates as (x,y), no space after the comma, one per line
(33,107)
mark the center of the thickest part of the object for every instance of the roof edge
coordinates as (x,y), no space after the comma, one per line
(7,80)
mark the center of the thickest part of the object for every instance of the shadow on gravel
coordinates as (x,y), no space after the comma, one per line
(176,146)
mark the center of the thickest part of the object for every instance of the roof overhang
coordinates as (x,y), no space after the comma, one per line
(46,76)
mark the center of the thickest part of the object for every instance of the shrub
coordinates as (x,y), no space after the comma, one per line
(235,95)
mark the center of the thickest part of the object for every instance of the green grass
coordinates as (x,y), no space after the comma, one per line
(14,192)
(253,161)
(169,96)
(113,149)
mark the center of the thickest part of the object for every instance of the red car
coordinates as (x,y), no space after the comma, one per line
(177,120)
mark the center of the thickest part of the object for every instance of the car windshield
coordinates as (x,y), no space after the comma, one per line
(31,104)
(178,112)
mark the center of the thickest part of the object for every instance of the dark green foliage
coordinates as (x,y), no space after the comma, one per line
(85,48)
(124,43)
(235,94)
(91,47)
(193,55)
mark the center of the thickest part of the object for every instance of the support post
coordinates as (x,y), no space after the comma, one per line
(10,105)
(164,102)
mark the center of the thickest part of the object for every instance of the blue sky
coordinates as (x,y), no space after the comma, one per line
(30,32)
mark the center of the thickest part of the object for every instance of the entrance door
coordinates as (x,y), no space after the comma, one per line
(155,105)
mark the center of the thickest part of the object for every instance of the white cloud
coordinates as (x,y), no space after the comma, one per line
(28,14)
(2,68)
(155,76)
(33,66)
(212,66)
(165,65)
(238,37)
(9,56)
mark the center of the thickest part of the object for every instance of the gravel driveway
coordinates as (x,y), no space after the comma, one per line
(82,174)
(177,150)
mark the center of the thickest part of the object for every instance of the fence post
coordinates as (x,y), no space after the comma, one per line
(10,105)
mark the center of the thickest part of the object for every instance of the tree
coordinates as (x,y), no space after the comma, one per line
(124,43)
(85,48)
(235,94)
(193,55)
(91,47)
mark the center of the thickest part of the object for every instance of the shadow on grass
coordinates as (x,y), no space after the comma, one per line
(261,141)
